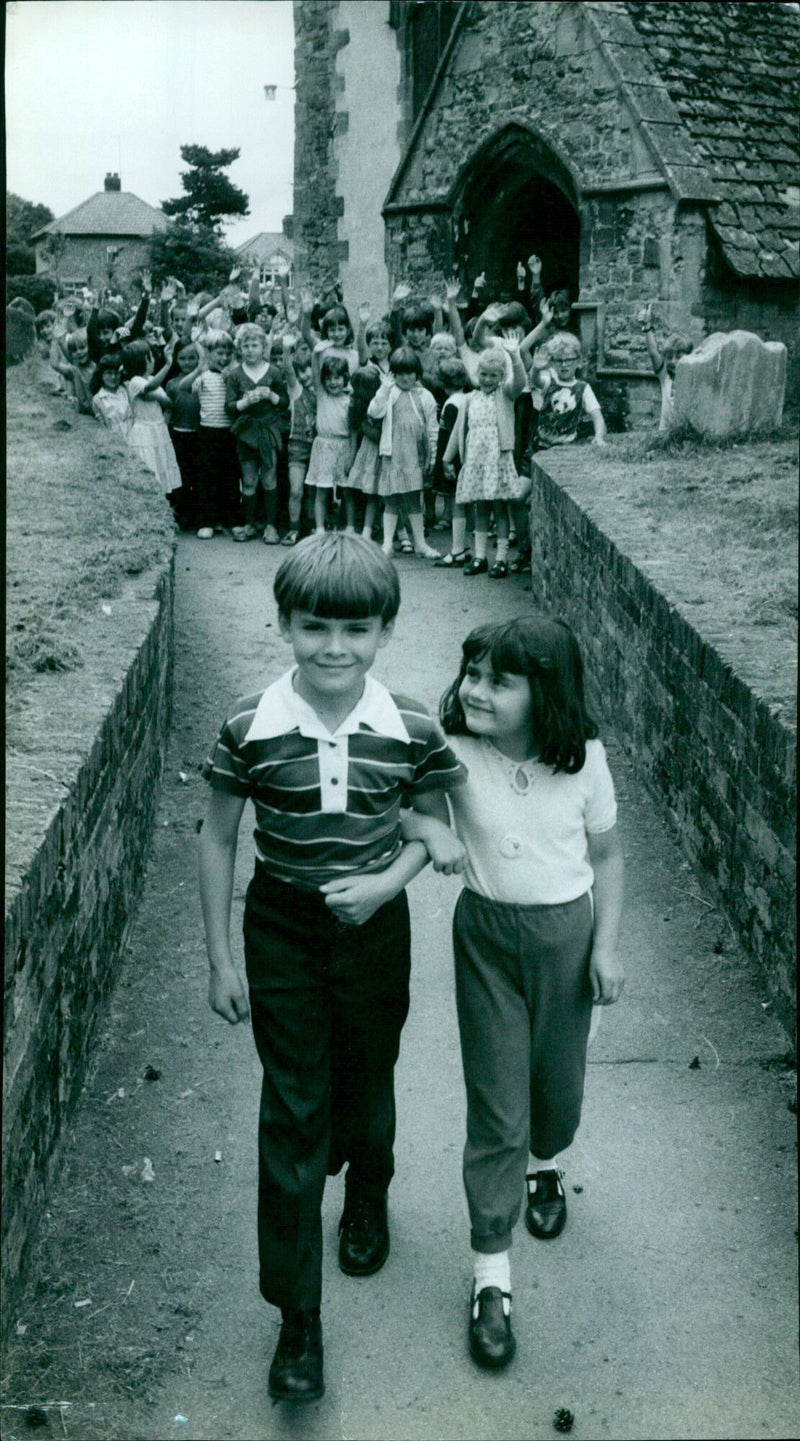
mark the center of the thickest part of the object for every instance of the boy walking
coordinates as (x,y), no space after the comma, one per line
(328,756)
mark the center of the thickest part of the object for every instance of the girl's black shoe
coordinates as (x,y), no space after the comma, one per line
(296,1370)
(499,570)
(491,1340)
(478,566)
(546,1211)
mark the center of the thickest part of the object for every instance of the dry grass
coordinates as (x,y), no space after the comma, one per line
(82,517)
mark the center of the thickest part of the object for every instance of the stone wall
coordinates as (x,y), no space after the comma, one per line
(70,900)
(703,740)
(315,204)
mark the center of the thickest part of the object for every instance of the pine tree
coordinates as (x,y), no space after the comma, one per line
(210,196)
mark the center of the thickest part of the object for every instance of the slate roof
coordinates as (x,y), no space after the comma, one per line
(266,244)
(715,88)
(109,212)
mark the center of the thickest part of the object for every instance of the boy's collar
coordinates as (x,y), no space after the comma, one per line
(281,710)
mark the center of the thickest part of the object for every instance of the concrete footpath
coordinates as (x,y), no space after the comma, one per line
(668,1307)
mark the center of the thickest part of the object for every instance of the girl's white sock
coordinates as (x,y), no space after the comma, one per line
(493,1270)
(502,548)
(534,1164)
(459,533)
(481,540)
(389,528)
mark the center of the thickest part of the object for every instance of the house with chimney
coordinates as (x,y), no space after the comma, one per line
(104,240)
(646,151)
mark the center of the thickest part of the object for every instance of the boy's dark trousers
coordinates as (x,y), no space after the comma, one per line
(328,1002)
(218,498)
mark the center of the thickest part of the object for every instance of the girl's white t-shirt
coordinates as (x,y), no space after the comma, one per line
(528,846)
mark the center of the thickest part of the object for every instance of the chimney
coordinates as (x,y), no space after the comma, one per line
(288,226)
(112,182)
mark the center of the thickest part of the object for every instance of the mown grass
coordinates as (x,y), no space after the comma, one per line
(731,507)
(82,517)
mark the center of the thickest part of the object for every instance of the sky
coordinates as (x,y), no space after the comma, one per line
(119,85)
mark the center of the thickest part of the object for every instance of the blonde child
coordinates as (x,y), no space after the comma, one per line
(565,400)
(407,446)
(256,400)
(535,933)
(483,439)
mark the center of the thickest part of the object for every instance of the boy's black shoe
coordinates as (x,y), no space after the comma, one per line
(363,1235)
(296,1370)
(546,1211)
(491,1340)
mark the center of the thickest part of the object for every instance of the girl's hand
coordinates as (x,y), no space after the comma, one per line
(535,267)
(293,316)
(546,312)
(521,276)
(449,471)
(355,898)
(479,283)
(401,293)
(607,978)
(452,289)
(435,300)
(307,301)
(147,282)
(290,340)
(167,291)
(180,288)
(364,312)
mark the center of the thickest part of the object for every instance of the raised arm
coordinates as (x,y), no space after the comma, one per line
(361,333)
(452,290)
(646,321)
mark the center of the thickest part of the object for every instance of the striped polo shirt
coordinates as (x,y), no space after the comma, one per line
(328,804)
(211,387)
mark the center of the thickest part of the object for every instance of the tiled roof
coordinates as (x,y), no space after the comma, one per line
(266,244)
(715,86)
(109,212)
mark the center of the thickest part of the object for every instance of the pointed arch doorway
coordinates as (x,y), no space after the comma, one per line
(515,198)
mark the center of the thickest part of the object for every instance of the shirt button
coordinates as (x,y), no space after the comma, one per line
(334,780)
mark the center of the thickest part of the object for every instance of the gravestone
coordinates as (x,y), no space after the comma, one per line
(734,383)
(20,333)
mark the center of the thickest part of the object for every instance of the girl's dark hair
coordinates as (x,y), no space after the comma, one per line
(514,314)
(405,361)
(453,371)
(559,297)
(338,577)
(546,652)
(332,366)
(418,315)
(337,315)
(107,362)
(134,358)
(175,370)
(379,327)
(108,320)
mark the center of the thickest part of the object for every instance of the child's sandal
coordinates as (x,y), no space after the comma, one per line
(454,558)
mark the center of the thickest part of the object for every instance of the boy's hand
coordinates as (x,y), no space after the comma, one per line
(607,978)
(227,995)
(453,289)
(355,898)
(535,267)
(401,293)
(445,850)
(363,312)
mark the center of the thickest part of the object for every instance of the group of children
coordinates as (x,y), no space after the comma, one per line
(262,413)
(354,787)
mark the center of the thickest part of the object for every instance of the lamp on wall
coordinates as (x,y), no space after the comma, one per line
(271,91)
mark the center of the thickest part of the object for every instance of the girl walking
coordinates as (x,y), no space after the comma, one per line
(483,439)
(535,933)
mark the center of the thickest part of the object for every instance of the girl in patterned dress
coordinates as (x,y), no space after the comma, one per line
(483,438)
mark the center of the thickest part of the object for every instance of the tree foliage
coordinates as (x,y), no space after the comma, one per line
(193,254)
(23,219)
(40,290)
(210,196)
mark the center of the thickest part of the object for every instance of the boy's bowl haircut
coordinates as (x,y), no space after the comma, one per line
(338,577)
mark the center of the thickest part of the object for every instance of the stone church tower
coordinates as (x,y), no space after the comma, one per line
(645,150)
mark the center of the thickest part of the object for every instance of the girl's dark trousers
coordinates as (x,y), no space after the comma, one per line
(524,1000)
(328,1002)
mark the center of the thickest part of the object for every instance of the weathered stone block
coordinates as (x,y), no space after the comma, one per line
(734,383)
(20,333)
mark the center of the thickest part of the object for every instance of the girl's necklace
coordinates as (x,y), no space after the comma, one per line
(521,775)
